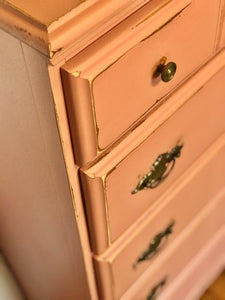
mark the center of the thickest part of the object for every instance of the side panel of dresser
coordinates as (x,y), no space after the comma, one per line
(39,234)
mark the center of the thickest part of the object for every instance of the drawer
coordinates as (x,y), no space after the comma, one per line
(124,264)
(107,186)
(202,271)
(195,239)
(110,85)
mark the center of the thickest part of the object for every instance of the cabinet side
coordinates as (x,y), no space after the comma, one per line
(39,234)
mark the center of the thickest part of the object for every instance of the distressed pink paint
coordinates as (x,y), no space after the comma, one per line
(81,125)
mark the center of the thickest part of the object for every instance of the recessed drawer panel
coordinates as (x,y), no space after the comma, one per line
(147,243)
(108,185)
(111,84)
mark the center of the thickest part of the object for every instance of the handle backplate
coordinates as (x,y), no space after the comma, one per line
(155,245)
(155,291)
(159,170)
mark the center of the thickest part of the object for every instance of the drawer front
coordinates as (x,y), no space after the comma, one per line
(196,239)
(121,91)
(204,269)
(192,192)
(199,121)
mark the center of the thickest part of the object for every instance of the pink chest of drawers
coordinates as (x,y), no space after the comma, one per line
(113,135)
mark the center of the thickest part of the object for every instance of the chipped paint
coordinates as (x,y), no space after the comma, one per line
(76,74)
(165,24)
(22,30)
(52,53)
(152,14)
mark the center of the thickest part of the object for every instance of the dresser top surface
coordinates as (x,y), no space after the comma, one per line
(59,29)
(53,25)
(43,11)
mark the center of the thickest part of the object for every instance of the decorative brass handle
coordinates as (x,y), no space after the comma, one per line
(158,171)
(167,71)
(155,245)
(155,291)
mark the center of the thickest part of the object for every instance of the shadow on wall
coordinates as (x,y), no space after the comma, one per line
(9,289)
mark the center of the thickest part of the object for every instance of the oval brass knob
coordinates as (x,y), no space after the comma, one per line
(167,71)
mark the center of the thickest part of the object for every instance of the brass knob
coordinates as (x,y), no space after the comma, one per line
(167,71)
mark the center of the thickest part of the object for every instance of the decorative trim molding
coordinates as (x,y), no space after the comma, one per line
(73,31)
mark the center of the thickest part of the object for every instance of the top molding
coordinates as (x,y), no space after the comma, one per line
(56,27)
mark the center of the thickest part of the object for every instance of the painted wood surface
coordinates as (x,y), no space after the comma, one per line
(216,290)
(48,248)
(44,12)
(182,202)
(66,28)
(202,270)
(82,122)
(107,185)
(113,79)
(193,243)
(38,230)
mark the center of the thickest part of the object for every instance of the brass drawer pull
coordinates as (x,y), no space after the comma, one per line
(158,170)
(155,245)
(155,291)
(167,71)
